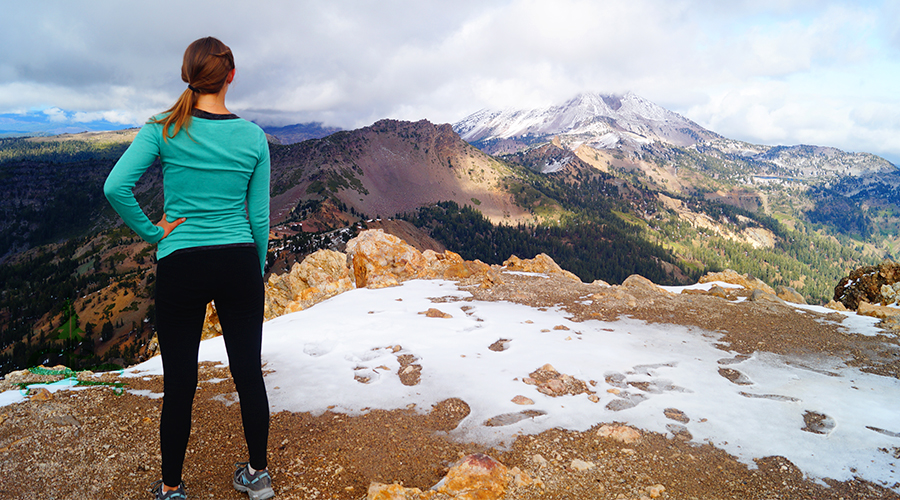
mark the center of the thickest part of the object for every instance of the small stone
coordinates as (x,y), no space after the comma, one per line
(621,433)
(539,460)
(522,400)
(436,313)
(594,398)
(520,478)
(581,465)
(656,490)
(556,385)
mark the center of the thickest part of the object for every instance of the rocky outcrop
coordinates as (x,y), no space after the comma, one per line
(752,288)
(865,285)
(451,266)
(788,294)
(542,263)
(375,259)
(379,260)
(744,280)
(638,282)
(321,275)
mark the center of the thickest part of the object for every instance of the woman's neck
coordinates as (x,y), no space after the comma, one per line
(213,103)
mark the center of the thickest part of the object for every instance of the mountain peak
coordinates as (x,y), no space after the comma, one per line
(601,120)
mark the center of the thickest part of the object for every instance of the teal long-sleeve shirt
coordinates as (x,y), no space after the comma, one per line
(215,175)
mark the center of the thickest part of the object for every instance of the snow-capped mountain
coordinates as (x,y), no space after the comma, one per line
(598,120)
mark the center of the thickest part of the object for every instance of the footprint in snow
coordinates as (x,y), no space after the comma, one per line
(817,423)
(735,376)
(773,397)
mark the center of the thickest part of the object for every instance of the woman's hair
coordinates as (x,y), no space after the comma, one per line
(205,69)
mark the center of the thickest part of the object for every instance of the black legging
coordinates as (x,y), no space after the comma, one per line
(186,281)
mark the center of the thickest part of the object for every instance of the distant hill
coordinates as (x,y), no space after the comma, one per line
(388,168)
(291,134)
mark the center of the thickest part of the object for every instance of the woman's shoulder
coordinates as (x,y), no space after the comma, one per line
(251,127)
(158,118)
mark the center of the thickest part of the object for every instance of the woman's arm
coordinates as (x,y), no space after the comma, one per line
(258,202)
(121,180)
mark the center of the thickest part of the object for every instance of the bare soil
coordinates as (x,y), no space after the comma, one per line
(95,443)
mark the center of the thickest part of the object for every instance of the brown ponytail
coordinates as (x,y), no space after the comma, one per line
(205,69)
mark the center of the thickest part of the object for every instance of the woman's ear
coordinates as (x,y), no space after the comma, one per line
(231,76)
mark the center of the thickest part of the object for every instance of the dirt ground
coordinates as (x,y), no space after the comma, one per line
(96,443)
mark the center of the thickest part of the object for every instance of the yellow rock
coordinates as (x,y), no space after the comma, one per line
(837,306)
(475,477)
(378,260)
(877,311)
(42,394)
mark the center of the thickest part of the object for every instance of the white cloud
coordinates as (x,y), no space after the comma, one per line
(55,115)
(772,70)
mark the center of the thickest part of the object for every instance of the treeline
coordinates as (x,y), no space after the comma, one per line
(841,213)
(41,282)
(590,250)
(65,151)
(53,190)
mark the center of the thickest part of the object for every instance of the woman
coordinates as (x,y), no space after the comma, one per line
(212,243)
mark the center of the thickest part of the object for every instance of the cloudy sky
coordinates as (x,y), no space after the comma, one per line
(765,71)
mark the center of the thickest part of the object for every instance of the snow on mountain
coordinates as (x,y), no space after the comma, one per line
(598,120)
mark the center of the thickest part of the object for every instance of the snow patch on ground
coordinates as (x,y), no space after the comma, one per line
(751,406)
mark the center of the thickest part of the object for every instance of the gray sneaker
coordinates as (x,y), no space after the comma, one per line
(157,489)
(258,486)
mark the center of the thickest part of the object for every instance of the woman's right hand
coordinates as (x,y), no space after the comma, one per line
(168,226)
